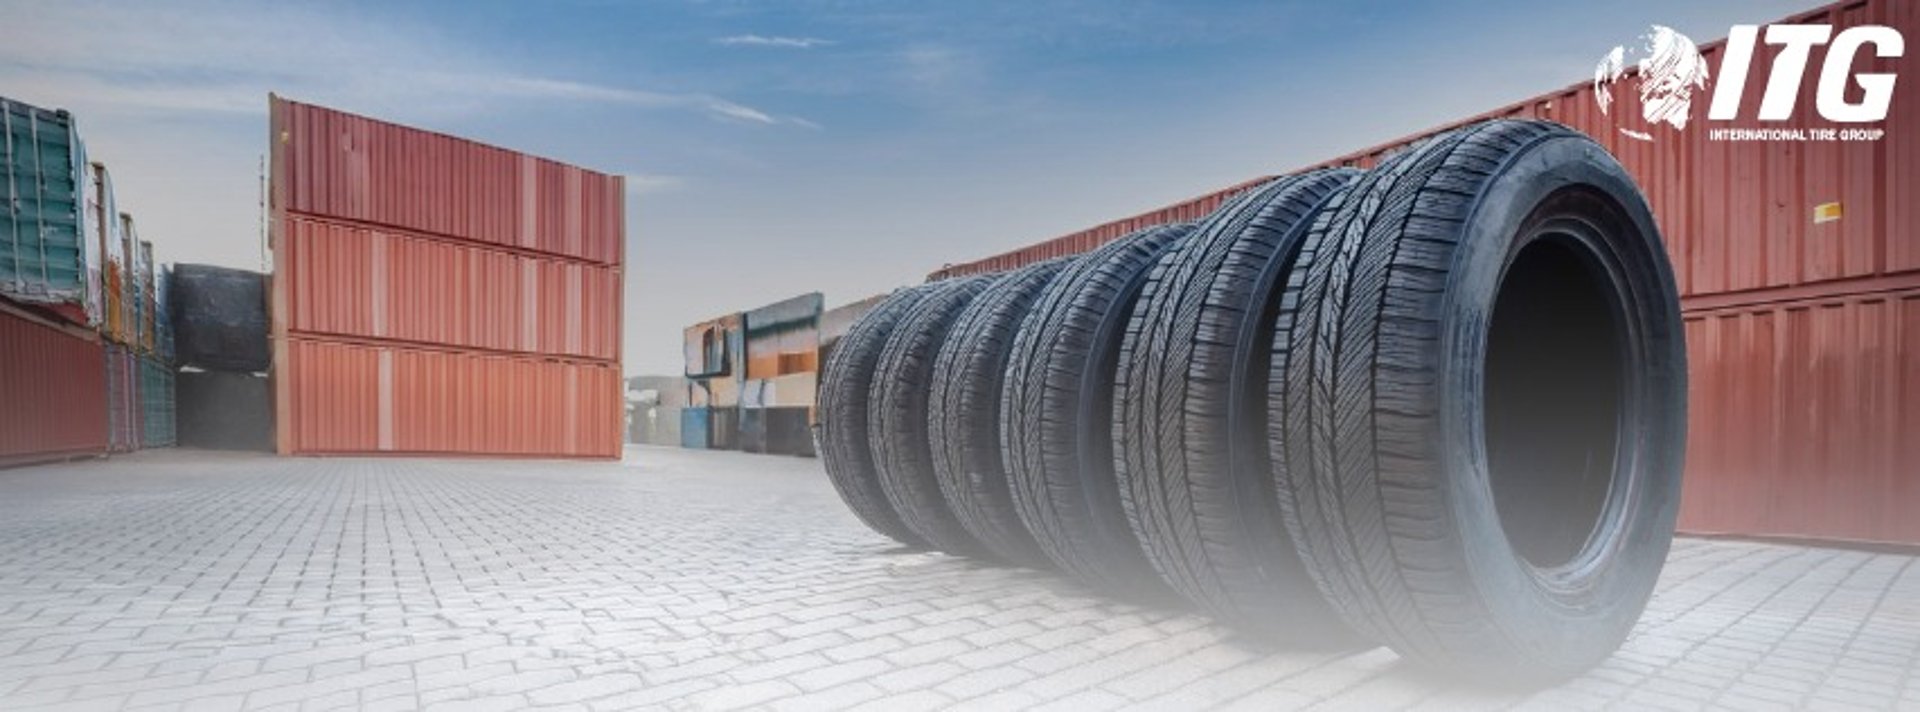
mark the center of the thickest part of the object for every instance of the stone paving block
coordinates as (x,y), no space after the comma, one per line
(705,579)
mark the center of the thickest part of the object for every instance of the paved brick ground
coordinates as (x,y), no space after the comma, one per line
(718,581)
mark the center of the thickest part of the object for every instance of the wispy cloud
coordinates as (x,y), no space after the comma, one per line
(214,56)
(763,41)
(647,183)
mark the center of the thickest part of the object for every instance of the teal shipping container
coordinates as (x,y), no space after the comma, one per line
(693,428)
(157,409)
(123,400)
(46,259)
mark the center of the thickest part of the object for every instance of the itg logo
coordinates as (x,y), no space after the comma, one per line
(1671,70)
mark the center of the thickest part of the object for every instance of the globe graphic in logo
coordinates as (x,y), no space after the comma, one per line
(1668,72)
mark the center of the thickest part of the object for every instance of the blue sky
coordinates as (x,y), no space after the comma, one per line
(772,148)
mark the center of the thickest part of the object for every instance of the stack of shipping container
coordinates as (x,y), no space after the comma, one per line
(219,340)
(752,376)
(437,295)
(83,370)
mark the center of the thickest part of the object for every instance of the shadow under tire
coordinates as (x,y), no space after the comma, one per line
(1056,414)
(964,414)
(845,433)
(898,410)
(1479,402)
(1191,418)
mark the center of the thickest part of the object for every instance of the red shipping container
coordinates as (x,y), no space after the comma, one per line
(53,390)
(368,399)
(336,164)
(440,296)
(1805,419)
(380,283)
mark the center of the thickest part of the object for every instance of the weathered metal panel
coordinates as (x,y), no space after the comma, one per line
(53,391)
(219,316)
(122,374)
(104,230)
(784,337)
(221,410)
(134,307)
(336,164)
(380,399)
(380,283)
(716,361)
(45,256)
(156,404)
(695,427)
(1805,419)
(146,340)
(163,314)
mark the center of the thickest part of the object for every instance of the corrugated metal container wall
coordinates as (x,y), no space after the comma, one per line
(716,362)
(1085,240)
(437,295)
(352,398)
(136,308)
(123,399)
(784,337)
(45,258)
(694,427)
(104,226)
(163,314)
(147,340)
(379,283)
(156,404)
(52,392)
(1804,418)
(370,171)
(1739,216)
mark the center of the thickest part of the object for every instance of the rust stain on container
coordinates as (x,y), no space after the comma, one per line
(53,391)
(1805,419)
(434,295)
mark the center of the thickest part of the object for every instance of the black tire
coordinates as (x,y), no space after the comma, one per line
(964,415)
(1479,402)
(1192,421)
(845,435)
(1057,429)
(897,408)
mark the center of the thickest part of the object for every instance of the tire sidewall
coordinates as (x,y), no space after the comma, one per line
(1565,627)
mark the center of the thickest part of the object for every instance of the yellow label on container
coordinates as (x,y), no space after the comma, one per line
(1826,213)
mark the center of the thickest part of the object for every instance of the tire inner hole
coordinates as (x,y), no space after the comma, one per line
(1553,397)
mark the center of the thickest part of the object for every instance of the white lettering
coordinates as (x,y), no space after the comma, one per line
(1789,66)
(1831,97)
